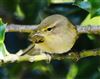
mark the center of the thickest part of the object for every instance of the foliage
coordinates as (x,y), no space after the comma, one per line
(91,21)
(73,72)
(32,12)
(92,6)
(3,51)
(93,18)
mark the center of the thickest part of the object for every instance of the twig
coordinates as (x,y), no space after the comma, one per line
(74,56)
(71,56)
(29,28)
(21,28)
(88,29)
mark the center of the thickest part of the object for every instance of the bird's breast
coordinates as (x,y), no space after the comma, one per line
(54,44)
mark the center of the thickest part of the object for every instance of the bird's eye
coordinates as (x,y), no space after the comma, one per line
(49,29)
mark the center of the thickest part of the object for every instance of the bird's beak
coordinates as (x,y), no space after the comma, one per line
(37,38)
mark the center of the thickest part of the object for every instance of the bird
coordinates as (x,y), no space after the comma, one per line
(55,35)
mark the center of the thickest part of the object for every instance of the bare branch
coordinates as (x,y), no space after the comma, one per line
(29,28)
(88,29)
(71,55)
(21,28)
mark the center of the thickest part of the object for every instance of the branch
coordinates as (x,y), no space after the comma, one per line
(71,55)
(88,29)
(21,28)
(74,56)
(29,28)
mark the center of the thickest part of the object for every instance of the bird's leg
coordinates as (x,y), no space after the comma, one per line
(27,50)
(48,56)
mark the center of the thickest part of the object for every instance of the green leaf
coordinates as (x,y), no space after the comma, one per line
(3,51)
(2,31)
(91,21)
(92,6)
(72,72)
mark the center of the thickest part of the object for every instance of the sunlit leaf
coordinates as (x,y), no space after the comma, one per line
(91,21)
(3,50)
(61,1)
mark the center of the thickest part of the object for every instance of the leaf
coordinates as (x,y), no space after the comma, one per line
(72,72)
(61,1)
(3,51)
(92,6)
(91,21)
(2,31)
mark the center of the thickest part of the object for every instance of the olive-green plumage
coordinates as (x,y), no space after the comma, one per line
(59,35)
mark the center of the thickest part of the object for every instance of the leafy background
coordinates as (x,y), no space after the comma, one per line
(30,12)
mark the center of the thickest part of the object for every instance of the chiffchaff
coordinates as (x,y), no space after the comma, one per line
(55,34)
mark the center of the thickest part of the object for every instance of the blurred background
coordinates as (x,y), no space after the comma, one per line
(31,12)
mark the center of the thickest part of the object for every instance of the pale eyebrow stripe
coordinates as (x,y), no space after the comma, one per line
(56,22)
